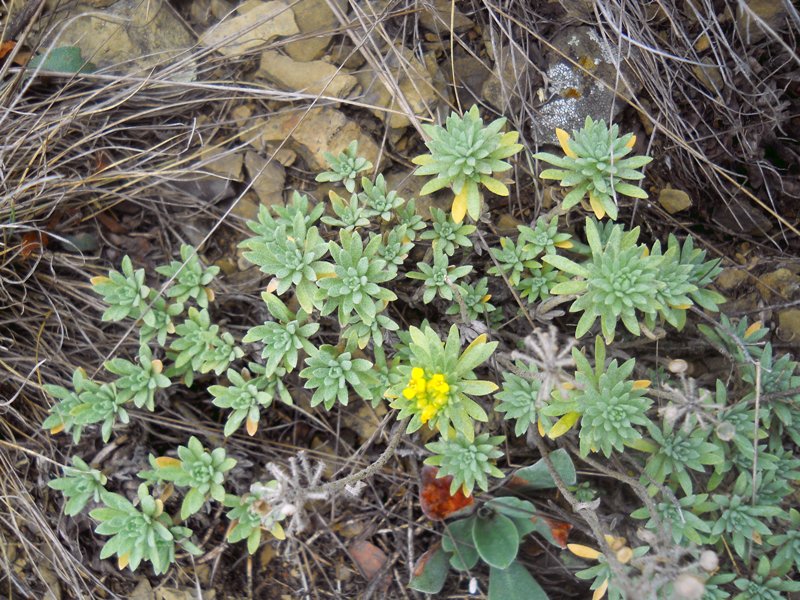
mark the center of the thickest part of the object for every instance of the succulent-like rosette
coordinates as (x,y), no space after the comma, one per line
(436,386)
(594,164)
(463,156)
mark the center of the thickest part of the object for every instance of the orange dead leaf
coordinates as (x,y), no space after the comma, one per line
(435,498)
(6,47)
(111,223)
(252,426)
(33,240)
(559,529)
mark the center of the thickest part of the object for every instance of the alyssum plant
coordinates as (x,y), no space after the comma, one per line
(335,272)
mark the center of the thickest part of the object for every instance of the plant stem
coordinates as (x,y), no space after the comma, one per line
(333,487)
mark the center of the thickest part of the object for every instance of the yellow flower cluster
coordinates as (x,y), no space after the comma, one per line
(430,394)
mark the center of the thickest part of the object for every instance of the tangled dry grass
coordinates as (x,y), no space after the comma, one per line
(94,167)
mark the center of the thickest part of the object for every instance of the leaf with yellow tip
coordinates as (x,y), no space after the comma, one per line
(601,591)
(209,294)
(682,306)
(251,425)
(568,385)
(563,140)
(584,551)
(422,160)
(460,205)
(486,298)
(540,427)
(99,279)
(597,206)
(509,138)
(631,142)
(277,532)
(272,285)
(752,329)
(494,185)
(57,429)
(167,461)
(157,365)
(565,245)
(123,560)
(641,384)
(563,425)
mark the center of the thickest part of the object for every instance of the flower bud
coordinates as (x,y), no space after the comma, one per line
(688,587)
(709,561)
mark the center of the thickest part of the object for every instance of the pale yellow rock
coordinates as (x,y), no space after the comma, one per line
(247,207)
(241,114)
(674,201)
(223,162)
(320,130)
(264,22)
(317,24)
(269,178)
(416,83)
(789,325)
(731,278)
(771,13)
(126,36)
(315,77)
(435,16)
(781,284)
(709,74)
(285,156)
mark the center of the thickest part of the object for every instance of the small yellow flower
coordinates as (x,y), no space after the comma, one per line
(431,395)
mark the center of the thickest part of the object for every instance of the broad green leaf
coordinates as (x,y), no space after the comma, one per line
(65,59)
(458,541)
(514,583)
(538,477)
(496,540)
(430,572)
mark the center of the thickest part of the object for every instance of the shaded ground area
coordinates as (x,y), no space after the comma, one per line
(142,155)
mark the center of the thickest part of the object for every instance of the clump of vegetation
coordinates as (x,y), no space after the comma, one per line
(712,466)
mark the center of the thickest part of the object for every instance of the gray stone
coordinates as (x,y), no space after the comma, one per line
(269,178)
(574,92)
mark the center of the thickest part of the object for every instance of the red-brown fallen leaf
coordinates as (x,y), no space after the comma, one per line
(368,557)
(516,482)
(32,240)
(558,529)
(435,498)
(111,223)
(6,47)
(419,566)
